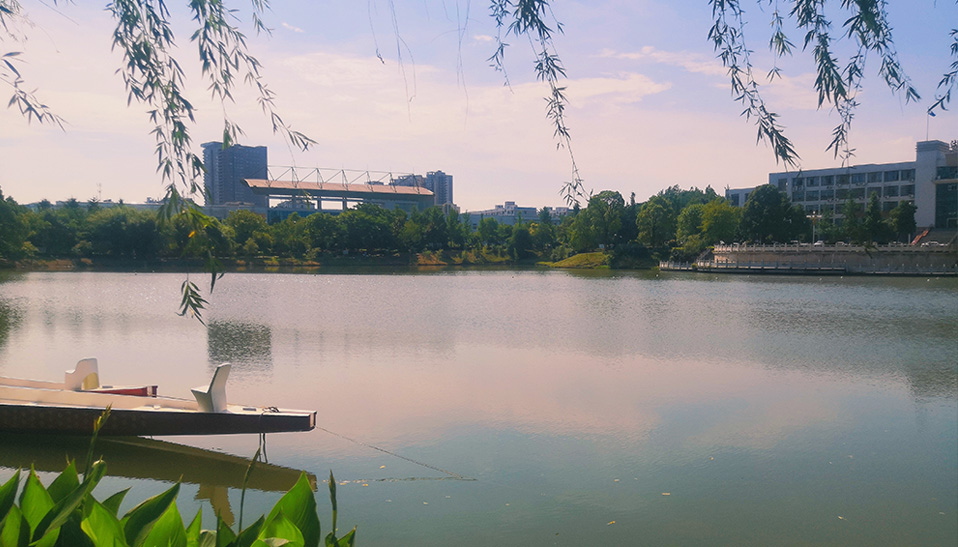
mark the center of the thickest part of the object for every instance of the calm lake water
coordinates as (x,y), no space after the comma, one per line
(583,408)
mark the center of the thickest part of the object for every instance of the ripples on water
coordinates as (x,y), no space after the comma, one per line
(765,406)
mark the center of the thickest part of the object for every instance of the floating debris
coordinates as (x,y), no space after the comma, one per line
(666,493)
(610,523)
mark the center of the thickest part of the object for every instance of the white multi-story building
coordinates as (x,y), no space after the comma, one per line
(509,213)
(930,182)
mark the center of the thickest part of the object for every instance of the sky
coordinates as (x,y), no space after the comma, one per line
(406,87)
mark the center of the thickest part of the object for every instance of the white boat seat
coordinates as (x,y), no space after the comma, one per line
(84,376)
(212,398)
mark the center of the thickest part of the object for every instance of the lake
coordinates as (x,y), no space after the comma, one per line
(528,407)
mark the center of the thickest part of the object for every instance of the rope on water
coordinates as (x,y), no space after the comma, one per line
(456,476)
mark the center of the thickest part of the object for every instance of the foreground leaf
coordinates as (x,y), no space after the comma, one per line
(8,493)
(139,520)
(102,526)
(168,530)
(299,506)
(14,529)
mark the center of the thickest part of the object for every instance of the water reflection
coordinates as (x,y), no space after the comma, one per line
(10,318)
(248,346)
(138,458)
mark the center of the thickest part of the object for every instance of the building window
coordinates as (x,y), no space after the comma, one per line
(798,196)
(812,181)
(733,199)
(858,178)
(888,206)
(811,195)
(828,180)
(798,181)
(841,193)
(891,176)
(874,177)
(908,190)
(891,191)
(828,194)
(782,184)
(947,172)
(841,179)
(874,192)
(811,208)
(858,193)
(946,205)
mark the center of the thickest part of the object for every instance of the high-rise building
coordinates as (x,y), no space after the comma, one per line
(440,184)
(436,182)
(225,170)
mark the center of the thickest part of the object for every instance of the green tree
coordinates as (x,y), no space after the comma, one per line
(369,227)
(457,229)
(768,216)
(902,220)
(13,230)
(656,222)
(246,225)
(488,231)
(720,221)
(689,221)
(875,229)
(828,231)
(290,237)
(852,228)
(325,232)
(520,242)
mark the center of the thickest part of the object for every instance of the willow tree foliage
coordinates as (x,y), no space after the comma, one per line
(838,80)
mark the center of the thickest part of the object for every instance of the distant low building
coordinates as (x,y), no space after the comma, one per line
(930,182)
(510,213)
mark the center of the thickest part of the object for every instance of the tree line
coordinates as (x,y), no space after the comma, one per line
(675,223)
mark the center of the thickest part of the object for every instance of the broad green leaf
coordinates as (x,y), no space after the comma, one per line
(346,541)
(72,534)
(47,540)
(8,493)
(249,535)
(273,542)
(138,521)
(14,529)
(62,510)
(224,534)
(65,483)
(102,526)
(194,529)
(167,530)
(281,528)
(113,502)
(35,502)
(299,506)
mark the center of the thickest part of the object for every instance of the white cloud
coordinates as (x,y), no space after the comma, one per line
(691,62)
(292,28)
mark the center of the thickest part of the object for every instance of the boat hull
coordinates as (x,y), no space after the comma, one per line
(33,418)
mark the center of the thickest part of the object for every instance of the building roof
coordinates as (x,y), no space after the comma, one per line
(291,188)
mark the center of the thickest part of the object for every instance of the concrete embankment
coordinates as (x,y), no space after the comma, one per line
(827,259)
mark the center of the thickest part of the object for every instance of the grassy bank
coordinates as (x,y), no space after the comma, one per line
(395,260)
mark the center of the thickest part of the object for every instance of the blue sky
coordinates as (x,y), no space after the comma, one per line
(649,103)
